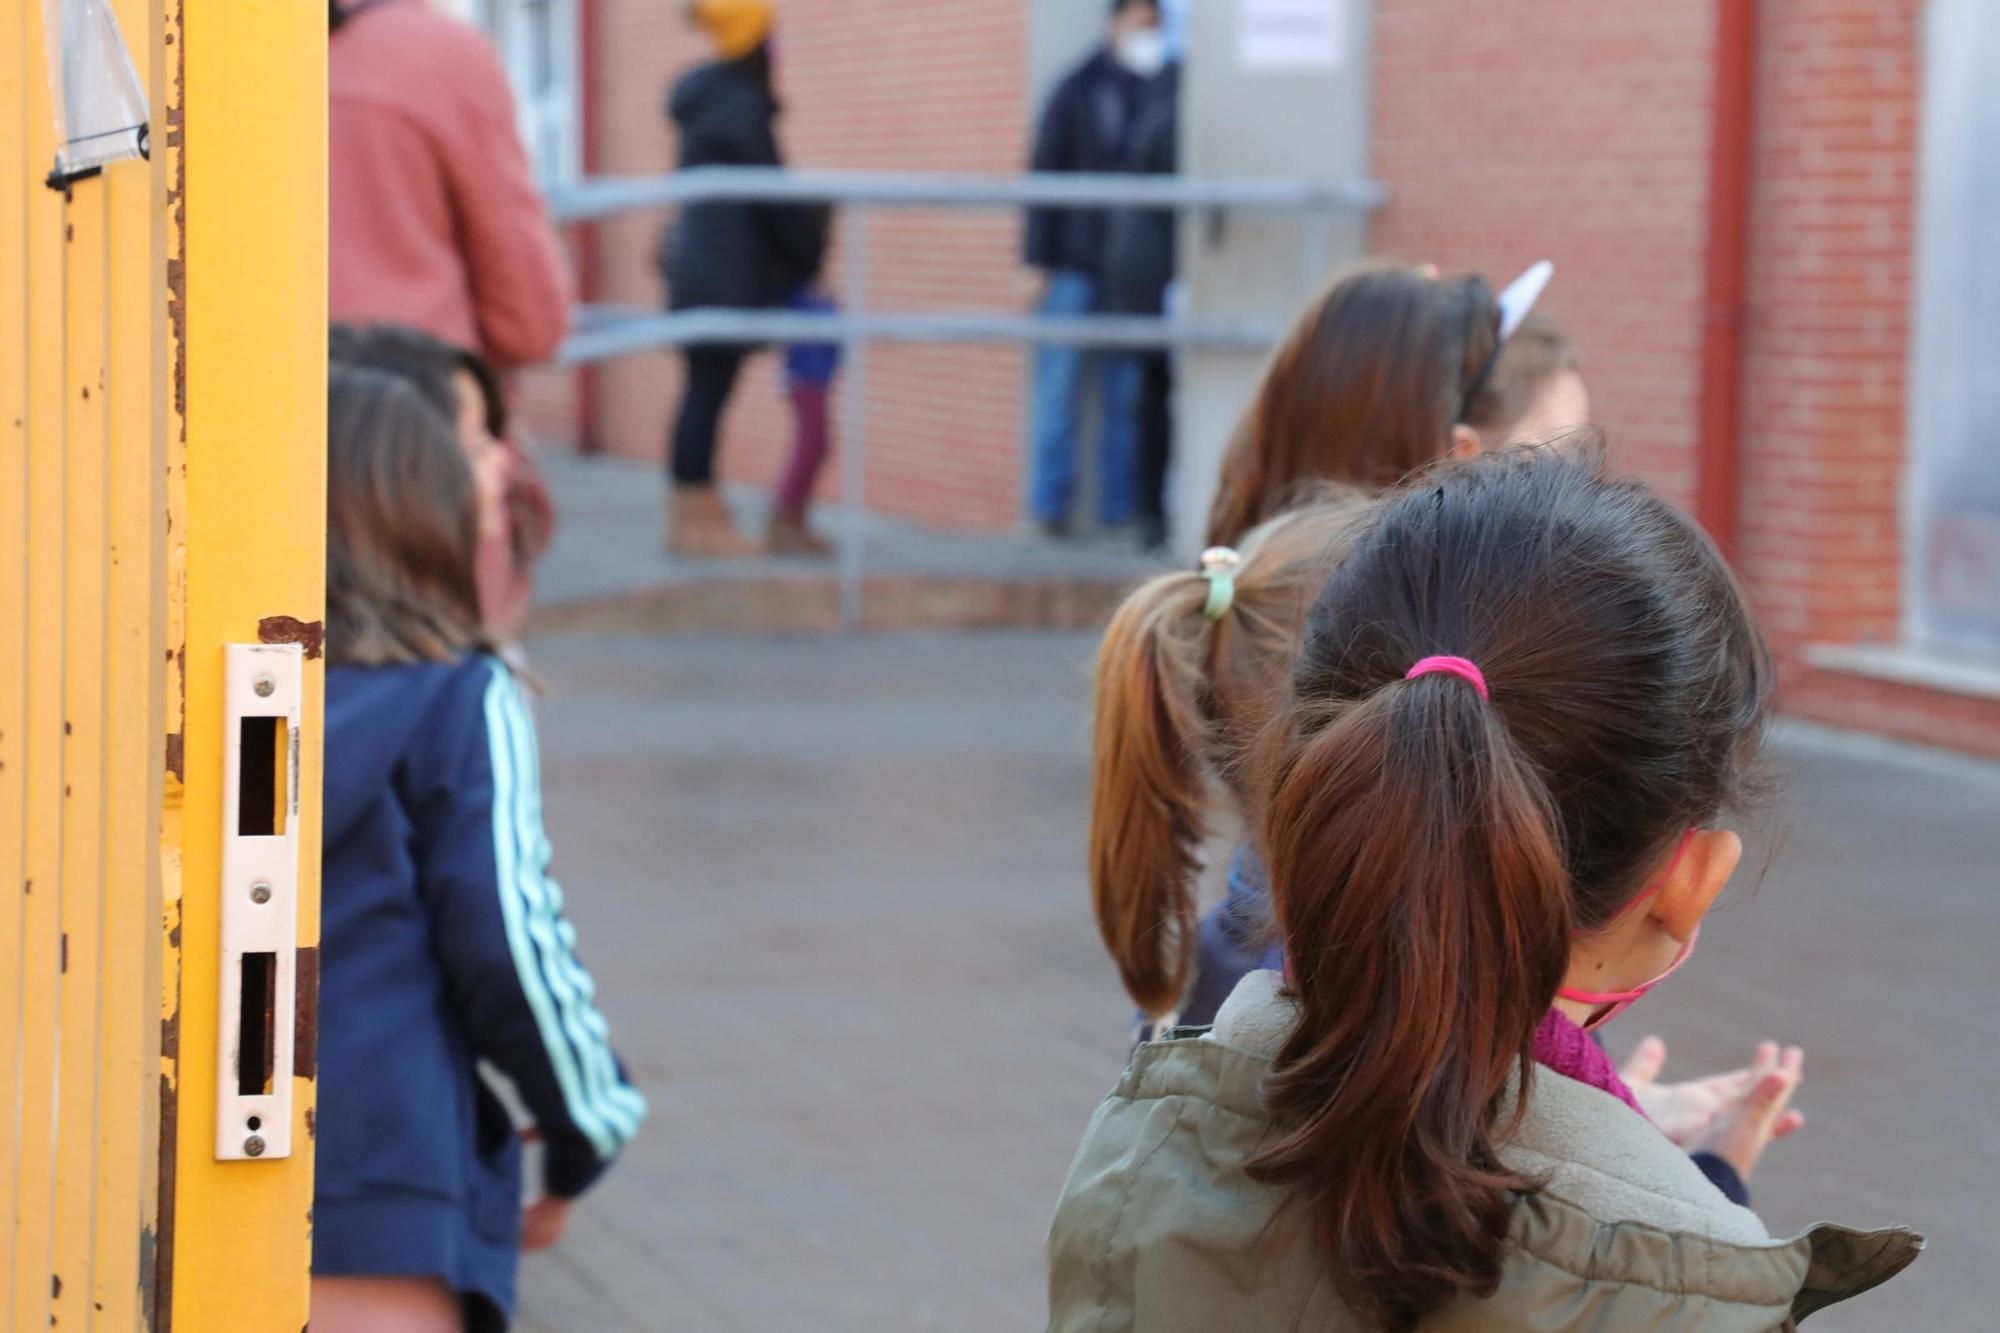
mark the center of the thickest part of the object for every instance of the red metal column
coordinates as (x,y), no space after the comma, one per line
(1718,466)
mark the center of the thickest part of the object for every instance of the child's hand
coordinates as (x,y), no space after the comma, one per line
(1685,1112)
(1762,1114)
(1681,1111)
(543,1223)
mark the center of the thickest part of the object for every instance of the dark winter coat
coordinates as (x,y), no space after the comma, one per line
(1086,126)
(730,253)
(1139,242)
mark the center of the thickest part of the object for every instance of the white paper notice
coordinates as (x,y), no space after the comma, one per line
(1291,36)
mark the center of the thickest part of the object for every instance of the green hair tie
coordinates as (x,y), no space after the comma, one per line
(1219,565)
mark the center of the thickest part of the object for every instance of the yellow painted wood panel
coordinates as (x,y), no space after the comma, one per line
(129,1034)
(168,80)
(80,907)
(40,888)
(255,366)
(13,611)
(162,407)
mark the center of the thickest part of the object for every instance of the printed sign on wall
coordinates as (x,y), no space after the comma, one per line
(1291,36)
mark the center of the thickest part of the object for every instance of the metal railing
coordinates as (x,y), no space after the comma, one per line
(606,332)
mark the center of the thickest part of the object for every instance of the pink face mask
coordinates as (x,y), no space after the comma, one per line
(1621,1000)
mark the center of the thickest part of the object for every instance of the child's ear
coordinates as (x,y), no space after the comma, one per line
(1465,441)
(1711,857)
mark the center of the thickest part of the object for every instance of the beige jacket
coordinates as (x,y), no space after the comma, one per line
(1159,1230)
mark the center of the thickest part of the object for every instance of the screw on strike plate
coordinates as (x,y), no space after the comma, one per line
(260,893)
(265,686)
(254,1146)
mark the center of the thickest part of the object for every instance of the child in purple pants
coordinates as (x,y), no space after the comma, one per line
(809,372)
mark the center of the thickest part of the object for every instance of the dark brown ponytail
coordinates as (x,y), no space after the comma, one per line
(1178,698)
(1431,852)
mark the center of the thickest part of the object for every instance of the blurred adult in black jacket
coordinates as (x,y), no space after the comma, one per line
(728,254)
(1086,126)
(1139,259)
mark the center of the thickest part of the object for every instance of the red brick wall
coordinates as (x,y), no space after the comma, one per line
(1825,368)
(1907,712)
(1571,130)
(871,84)
(1580,131)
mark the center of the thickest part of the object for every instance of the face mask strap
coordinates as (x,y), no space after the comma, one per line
(1620,1001)
(1652,890)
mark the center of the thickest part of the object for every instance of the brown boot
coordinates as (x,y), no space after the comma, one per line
(790,535)
(699,526)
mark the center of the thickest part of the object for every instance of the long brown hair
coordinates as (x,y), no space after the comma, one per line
(1178,696)
(1431,853)
(402,526)
(1364,390)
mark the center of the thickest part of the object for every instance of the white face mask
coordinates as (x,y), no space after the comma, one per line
(1142,51)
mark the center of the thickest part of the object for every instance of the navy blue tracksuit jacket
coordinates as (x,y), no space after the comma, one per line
(443,944)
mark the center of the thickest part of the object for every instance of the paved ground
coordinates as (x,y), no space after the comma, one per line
(830,890)
(608,543)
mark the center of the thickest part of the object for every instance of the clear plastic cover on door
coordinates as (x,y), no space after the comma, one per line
(98,102)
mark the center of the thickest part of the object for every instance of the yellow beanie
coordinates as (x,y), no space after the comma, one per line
(737,27)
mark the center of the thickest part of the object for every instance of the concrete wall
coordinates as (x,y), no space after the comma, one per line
(1241,122)
(1060,33)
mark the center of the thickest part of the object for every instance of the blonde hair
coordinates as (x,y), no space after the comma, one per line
(1179,697)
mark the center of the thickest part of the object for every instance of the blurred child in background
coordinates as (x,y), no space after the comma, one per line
(1536,390)
(516,515)
(443,939)
(726,253)
(1390,370)
(809,372)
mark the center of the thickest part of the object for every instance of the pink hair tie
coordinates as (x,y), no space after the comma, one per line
(1461,667)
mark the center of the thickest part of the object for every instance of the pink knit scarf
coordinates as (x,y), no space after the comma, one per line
(1566,1048)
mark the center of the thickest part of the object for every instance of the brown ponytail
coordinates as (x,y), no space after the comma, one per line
(1178,697)
(1439,933)
(1431,852)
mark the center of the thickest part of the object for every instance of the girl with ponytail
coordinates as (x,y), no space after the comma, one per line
(1186,675)
(1388,372)
(1491,808)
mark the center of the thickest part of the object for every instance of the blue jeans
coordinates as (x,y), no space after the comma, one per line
(1061,374)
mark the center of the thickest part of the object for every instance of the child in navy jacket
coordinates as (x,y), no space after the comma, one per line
(443,940)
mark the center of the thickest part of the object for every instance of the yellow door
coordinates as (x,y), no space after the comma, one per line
(162,409)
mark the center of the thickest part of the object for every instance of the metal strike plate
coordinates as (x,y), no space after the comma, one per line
(262,686)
